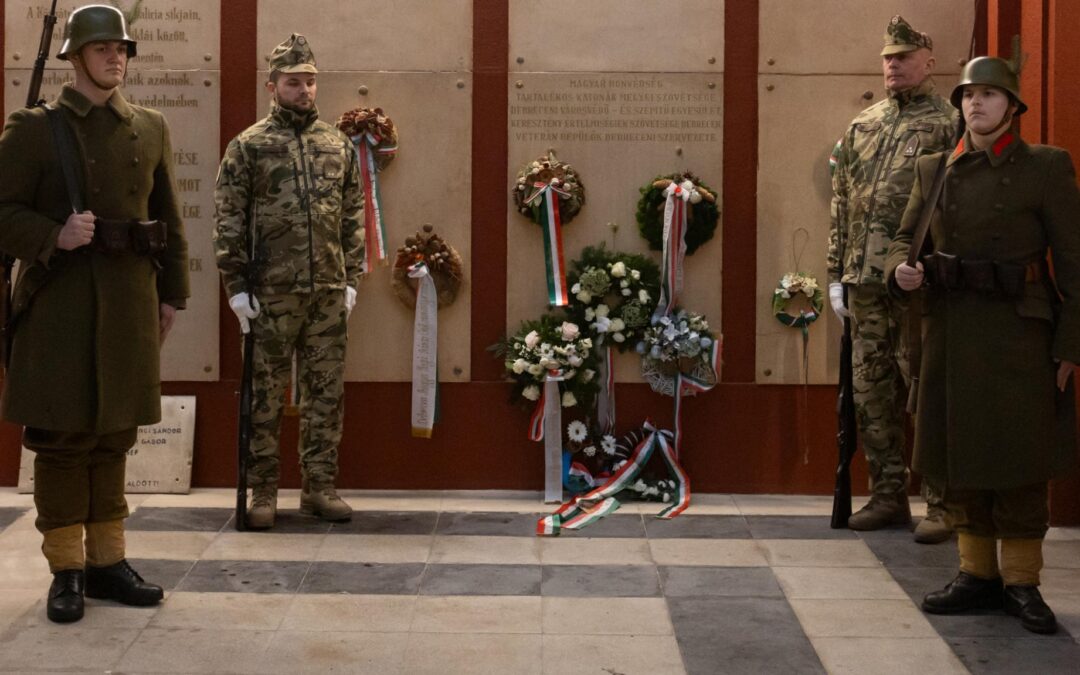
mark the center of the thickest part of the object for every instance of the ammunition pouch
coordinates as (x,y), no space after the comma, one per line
(113,237)
(946,272)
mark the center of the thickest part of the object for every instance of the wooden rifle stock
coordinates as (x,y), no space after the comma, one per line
(243,450)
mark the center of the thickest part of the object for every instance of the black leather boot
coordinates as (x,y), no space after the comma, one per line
(964,593)
(65,602)
(1026,602)
(121,583)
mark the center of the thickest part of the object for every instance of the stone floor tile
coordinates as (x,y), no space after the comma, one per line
(100,614)
(303,652)
(1056,581)
(363,578)
(1062,554)
(606,616)
(688,526)
(24,571)
(795,527)
(16,605)
(242,576)
(63,647)
(783,505)
(606,581)
(585,551)
(178,519)
(490,524)
(473,654)
(165,573)
(1006,656)
(486,549)
(509,501)
(198,650)
(263,546)
(388,522)
(376,548)
(861,618)
(625,524)
(695,582)
(149,544)
(9,514)
(393,500)
(289,521)
(605,654)
(897,549)
(207,498)
(350,613)
(1067,610)
(887,656)
(706,504)
(708,552)
(481,580)
(852,583)
(477,614)
(817,553)
(1063,534)
(11,497)
(223,611)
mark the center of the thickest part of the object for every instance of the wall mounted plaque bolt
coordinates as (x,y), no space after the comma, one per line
(771,61)
(768,372)
(16,82)
(712,59)
(208,57)
(362,90)
(712,85)
(206,83)
(519,84)
(521,59)
(16,56)
(868,94)
(770,87)
(461,84)
(678,151)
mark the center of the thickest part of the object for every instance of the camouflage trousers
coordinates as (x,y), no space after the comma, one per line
(881,376)
(313,326)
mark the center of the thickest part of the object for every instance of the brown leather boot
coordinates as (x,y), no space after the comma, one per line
(322,500)
(883,510)
(263,507)
(933,529)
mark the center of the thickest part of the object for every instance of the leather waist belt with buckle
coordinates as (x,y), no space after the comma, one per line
(141,237)
(949,273)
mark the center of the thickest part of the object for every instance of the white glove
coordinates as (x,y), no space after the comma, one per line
(350,301)
(836,299)
(909,278)
(245,307)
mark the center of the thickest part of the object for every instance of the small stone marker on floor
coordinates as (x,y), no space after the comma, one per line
(160,461)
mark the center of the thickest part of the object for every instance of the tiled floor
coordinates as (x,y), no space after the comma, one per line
(458,583)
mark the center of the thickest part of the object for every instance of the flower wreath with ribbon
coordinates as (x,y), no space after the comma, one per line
(679,347)
(550,193)
(794,285)
(588,464)
(443,263)
(375,141)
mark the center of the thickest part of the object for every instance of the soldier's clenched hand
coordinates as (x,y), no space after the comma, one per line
(77,231)
(836,299)
(245,307)
(350,301)
(1065,369)
(909,278)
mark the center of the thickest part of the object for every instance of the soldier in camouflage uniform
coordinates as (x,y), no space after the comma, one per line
(874,171)
(288,189)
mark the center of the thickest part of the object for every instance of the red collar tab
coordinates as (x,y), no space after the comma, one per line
(1002,143)
(959,148)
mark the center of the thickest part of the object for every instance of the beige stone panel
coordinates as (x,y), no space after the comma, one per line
(614,159)
(373,35)
(795,138)
(428,182)
(191,102)
(617,36)
(846,36)
(170,34)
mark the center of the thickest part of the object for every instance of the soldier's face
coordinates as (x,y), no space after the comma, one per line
(985,108)
(906,70)
(294,91)
(104,62)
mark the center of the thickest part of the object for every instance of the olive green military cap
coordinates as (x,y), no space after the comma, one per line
(901,37)
(94,23)
(293,56)
(990,71)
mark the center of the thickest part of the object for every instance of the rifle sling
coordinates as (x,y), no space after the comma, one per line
(927,214)
(69,157)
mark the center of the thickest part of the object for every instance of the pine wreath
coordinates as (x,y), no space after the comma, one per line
(701,218)
(613,294)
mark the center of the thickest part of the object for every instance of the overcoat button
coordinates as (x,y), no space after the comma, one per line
(134,161)
(952,207)
(97,191)
(134,189)
(134,135)
(999,207)
(1005,181)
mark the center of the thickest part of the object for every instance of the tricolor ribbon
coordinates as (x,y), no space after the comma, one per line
(367,146)
(605,401)
(546,425)
(581,511)
(425,375)
(671,277)
(545,204)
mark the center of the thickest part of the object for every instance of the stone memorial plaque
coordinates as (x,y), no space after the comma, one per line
(619,131)
(190,101)
(370,35)
(170,34)
(428,182)
(794,191)
(160,461)
(804,37)
(617,36)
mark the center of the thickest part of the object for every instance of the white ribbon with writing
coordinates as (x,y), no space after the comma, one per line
(425,376)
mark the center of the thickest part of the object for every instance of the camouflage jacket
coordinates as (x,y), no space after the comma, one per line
(875,169)
(297,179)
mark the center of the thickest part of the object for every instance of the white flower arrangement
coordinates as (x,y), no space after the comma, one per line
(793,283)
(551,348)
(681,335)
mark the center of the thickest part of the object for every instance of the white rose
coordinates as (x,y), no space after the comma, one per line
(531,392)
(618,337)
(575,361)
(576,288)
(626,291)
(618,270)
(536,370)
(590,314)
(568,400)
(586,344)
(635,275)
(624,284)
(602,310)
(588,375)
(618,324)
(584,296)
(520,366)
(569,330)
(643,296)
(532,339)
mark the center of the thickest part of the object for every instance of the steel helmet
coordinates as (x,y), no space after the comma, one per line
(991,71)
(94,23)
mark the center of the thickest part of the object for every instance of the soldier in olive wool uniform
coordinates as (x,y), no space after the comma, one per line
(874,170)
(288,189)
(94,299)
(997,413)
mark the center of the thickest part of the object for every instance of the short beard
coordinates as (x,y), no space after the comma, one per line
(294,109)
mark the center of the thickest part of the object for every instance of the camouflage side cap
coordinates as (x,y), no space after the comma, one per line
(293,56)
(901,37)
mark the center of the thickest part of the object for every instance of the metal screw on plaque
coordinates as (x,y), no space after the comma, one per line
(678,151)
(519,84)
(961,62)
(712,59)
(206,83)
(208,369)
(868,94)
(458,371)
(712,85)
(770,87)
(461,84)
(521,59)
(768,371)
(16,56)
(362,90)
(16,82)
(771,62)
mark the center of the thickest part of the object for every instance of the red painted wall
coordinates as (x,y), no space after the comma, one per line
(741,437)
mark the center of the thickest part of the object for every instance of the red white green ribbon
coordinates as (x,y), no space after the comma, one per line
(671,276)
(425,376)
(546,425)
(367,146)
(589,508)
(545,204)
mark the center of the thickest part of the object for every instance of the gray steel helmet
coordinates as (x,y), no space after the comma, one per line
(991,71)
(94,23)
